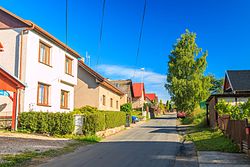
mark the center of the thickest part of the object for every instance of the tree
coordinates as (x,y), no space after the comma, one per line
(217,85)
(186,82)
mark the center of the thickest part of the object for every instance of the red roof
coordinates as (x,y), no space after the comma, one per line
(137,89)
(151,96)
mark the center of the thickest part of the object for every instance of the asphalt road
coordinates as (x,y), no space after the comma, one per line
(152,144)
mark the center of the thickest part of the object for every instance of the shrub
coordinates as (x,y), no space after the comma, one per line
(127,107)
(93,122)
(236,112)
(45,122)
(114,119)
(84,109)
(102,120)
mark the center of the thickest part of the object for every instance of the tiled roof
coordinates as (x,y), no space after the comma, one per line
(137,89)
(239,79)
(151,96)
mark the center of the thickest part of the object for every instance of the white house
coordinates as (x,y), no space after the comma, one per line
(46,65)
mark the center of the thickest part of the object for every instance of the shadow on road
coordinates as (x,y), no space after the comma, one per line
(122,154)
(166,118)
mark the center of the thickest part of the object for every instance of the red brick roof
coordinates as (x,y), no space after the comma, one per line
(151,96)
(137,89)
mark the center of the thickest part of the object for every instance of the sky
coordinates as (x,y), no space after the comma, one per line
(222,28)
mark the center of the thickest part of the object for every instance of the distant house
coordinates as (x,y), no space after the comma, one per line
(46,65)
(94,90)
(236,90)
(126,87)
(139,95)
(151,98)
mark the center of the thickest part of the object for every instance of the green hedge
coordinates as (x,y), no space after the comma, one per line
(114,119)
(95,120)
(45,122)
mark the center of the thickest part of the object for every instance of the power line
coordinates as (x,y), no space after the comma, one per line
(66,22)
(140,36)
(101,31)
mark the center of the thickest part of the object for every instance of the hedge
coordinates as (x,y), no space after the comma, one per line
(114,119)
(95,120)
(45,122)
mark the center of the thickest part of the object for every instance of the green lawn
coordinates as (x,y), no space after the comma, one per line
(206,139)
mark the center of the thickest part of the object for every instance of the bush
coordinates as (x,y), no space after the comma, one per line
(127,107)
(102,120)
(93,122)
(236,112)
(45,122)
(197,117)
(114,119)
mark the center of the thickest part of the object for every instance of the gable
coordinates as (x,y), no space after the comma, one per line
(8,21)
(239,80)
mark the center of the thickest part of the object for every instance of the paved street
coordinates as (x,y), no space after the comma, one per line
(154,143)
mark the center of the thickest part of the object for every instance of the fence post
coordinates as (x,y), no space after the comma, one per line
(78,119)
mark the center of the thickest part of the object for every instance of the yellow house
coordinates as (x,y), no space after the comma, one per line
(94,90)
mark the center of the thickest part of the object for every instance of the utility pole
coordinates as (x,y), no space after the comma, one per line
(142,96)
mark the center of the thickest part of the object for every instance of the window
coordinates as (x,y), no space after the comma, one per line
(104,100)
(43,94)
(68,65)
(64,99)
(44,53)
(111,102)
(117,105)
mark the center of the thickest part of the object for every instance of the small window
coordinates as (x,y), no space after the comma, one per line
(43,94)
(111,102)
(68,65)
(44,53)
(117,104)
(64,99)
(104,100)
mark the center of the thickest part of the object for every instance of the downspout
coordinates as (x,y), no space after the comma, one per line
(20,71)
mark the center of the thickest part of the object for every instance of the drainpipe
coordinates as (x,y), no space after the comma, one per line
(20,71)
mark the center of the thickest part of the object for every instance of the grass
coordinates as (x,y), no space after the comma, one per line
(25,158)
(206,139)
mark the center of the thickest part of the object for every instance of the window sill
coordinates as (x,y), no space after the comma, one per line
(65,108)
(44,105)
(45,64)
(69,74)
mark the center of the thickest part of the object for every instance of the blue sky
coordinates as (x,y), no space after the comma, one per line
(222,28)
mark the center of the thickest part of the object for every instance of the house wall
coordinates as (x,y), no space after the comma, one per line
(54,76)
(109,94)
(9,59)
(6,105)
(86,90)
(124,99)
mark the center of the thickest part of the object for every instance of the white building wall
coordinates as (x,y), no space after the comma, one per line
(9,58)
(53,76)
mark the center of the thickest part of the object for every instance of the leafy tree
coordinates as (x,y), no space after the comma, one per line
(217,85)
(186,82)
(127,107)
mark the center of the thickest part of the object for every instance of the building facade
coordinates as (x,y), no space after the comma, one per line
(46,65)
(94,90)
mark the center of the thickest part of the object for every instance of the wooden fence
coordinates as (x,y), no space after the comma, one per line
(236,131)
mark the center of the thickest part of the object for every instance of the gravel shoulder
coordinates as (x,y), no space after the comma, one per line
(16,143)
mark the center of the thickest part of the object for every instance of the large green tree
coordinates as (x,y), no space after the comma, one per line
(217,85)
(186,82)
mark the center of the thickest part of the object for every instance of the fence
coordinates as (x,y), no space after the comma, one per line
(236,130)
